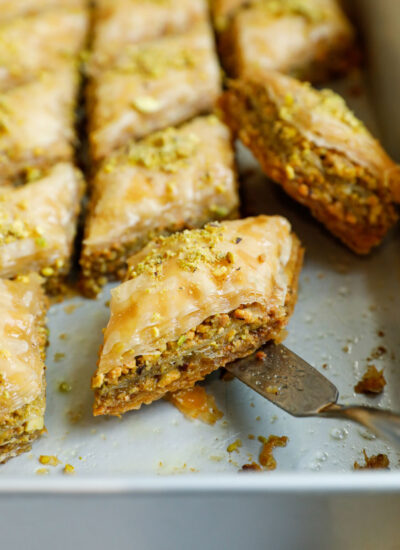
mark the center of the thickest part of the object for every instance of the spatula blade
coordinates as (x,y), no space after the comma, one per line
(285,379)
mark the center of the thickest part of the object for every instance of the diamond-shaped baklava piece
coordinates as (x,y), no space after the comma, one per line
(174,179)
(310,39)
(193,302)
(31,44)
(152,86)
(323,156)
(37,121)
(38,222)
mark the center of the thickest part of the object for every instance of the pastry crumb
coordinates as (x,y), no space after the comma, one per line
(69,469)
(234,446)
(49,460)
(70,308)
(253,466)
(373,462)
(372,381)
(197,404)
(260,356)
(64,387)
(42,472)
(75,416)
(266,457)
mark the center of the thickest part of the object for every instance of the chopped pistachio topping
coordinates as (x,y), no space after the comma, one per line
(181,340)
(190,248)
(32,174)
(64,387)
(327,102)
(69,469)
(234,446)
(41,241)
(152,61)
(219,211)
(47,271)
(146,104)
(166,150)
(11,228)
(336,105)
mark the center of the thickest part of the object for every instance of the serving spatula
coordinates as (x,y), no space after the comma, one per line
(289,382)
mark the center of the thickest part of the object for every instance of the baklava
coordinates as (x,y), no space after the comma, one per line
(31,44)
(38,222)
(323,156)
(310,39)
(192,302)
(152,86)
(16,8)
(121,22)
(23,308)
(37,121)
(174,179)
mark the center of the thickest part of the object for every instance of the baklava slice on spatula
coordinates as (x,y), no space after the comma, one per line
(191,303)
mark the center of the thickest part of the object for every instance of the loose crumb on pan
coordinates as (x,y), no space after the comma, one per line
(373,462)
(196,403)
(372,381)
(64,387)
(42,471)
(377,352)
(70,308)
(266,457)
(69,469)
(253,466)
(49,460)
(234,446)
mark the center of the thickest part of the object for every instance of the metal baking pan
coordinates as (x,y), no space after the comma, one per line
(155,479)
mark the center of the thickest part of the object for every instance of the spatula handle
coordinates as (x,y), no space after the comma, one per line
(383,423)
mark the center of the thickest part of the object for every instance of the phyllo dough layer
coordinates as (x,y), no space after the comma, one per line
(23,336)
(31,44)
(322,155)
(38,223)
(17,8)
(192,302)
(37,121)
(310,39)
(173,179)
(117,23)
(151,86)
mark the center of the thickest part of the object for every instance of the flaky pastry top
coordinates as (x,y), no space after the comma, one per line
(177,282)
(22,306)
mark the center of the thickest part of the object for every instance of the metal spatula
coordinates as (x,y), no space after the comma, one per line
(288,381)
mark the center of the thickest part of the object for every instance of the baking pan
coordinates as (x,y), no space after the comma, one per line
(154,478)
